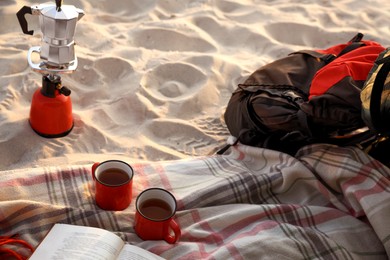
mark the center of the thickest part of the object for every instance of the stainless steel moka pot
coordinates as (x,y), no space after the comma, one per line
(58,24)
(51,107)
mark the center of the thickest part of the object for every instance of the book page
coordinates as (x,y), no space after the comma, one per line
(78,242)
(130,252)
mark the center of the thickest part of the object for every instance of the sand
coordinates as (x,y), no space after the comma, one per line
(155,76)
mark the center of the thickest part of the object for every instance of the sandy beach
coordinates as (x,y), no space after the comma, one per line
(154,77)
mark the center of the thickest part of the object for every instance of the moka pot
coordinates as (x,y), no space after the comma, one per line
(58,25)
(51,107)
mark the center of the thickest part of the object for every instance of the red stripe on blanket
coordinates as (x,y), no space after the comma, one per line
(243,224)
(376,189)
(164,179)
(35,180)
(41,178)
(213,238)
(234,252)
(140,179)
(378,185)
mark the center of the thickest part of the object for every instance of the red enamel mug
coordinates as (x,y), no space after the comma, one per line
(113,184)
(155,209)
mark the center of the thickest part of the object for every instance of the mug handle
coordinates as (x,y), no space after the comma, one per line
(35,66)
(176,230)
(94,166)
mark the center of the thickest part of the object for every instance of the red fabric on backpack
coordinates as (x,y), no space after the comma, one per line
(356,64)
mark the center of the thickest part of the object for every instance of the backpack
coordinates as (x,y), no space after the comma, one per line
(310,96)
(376,107)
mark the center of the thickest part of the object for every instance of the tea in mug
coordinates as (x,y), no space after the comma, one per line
(113,176)
(155,209)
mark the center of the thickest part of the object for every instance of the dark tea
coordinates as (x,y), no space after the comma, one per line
(155,209)
(114,177)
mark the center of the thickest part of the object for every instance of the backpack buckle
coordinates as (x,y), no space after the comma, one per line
(329,58)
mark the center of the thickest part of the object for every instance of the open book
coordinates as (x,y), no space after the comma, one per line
(79,242)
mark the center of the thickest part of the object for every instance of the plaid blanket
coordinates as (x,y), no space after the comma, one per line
(326,203)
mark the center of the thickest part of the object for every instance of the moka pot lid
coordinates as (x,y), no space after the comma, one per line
(67,12)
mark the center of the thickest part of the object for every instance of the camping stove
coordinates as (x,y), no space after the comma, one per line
(51,106)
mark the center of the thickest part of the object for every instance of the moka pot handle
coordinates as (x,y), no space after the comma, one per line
(22,19)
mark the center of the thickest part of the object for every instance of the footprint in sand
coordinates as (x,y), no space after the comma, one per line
(16,138)
(172,7)
(187,139)
(125,7)
(101,81)
(173,81)
(114,69)
(231,35)
(85,74)
(87,138)
(213,126)
(7,2)
(301,34)
(241,12)
(170,40)
(107,69)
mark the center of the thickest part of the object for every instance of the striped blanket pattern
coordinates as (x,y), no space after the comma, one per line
(326,203)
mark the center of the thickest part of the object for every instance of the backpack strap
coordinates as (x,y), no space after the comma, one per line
(248,135)
(357,38)
(350,47)
(375,102)
(355,42)
(227,146)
